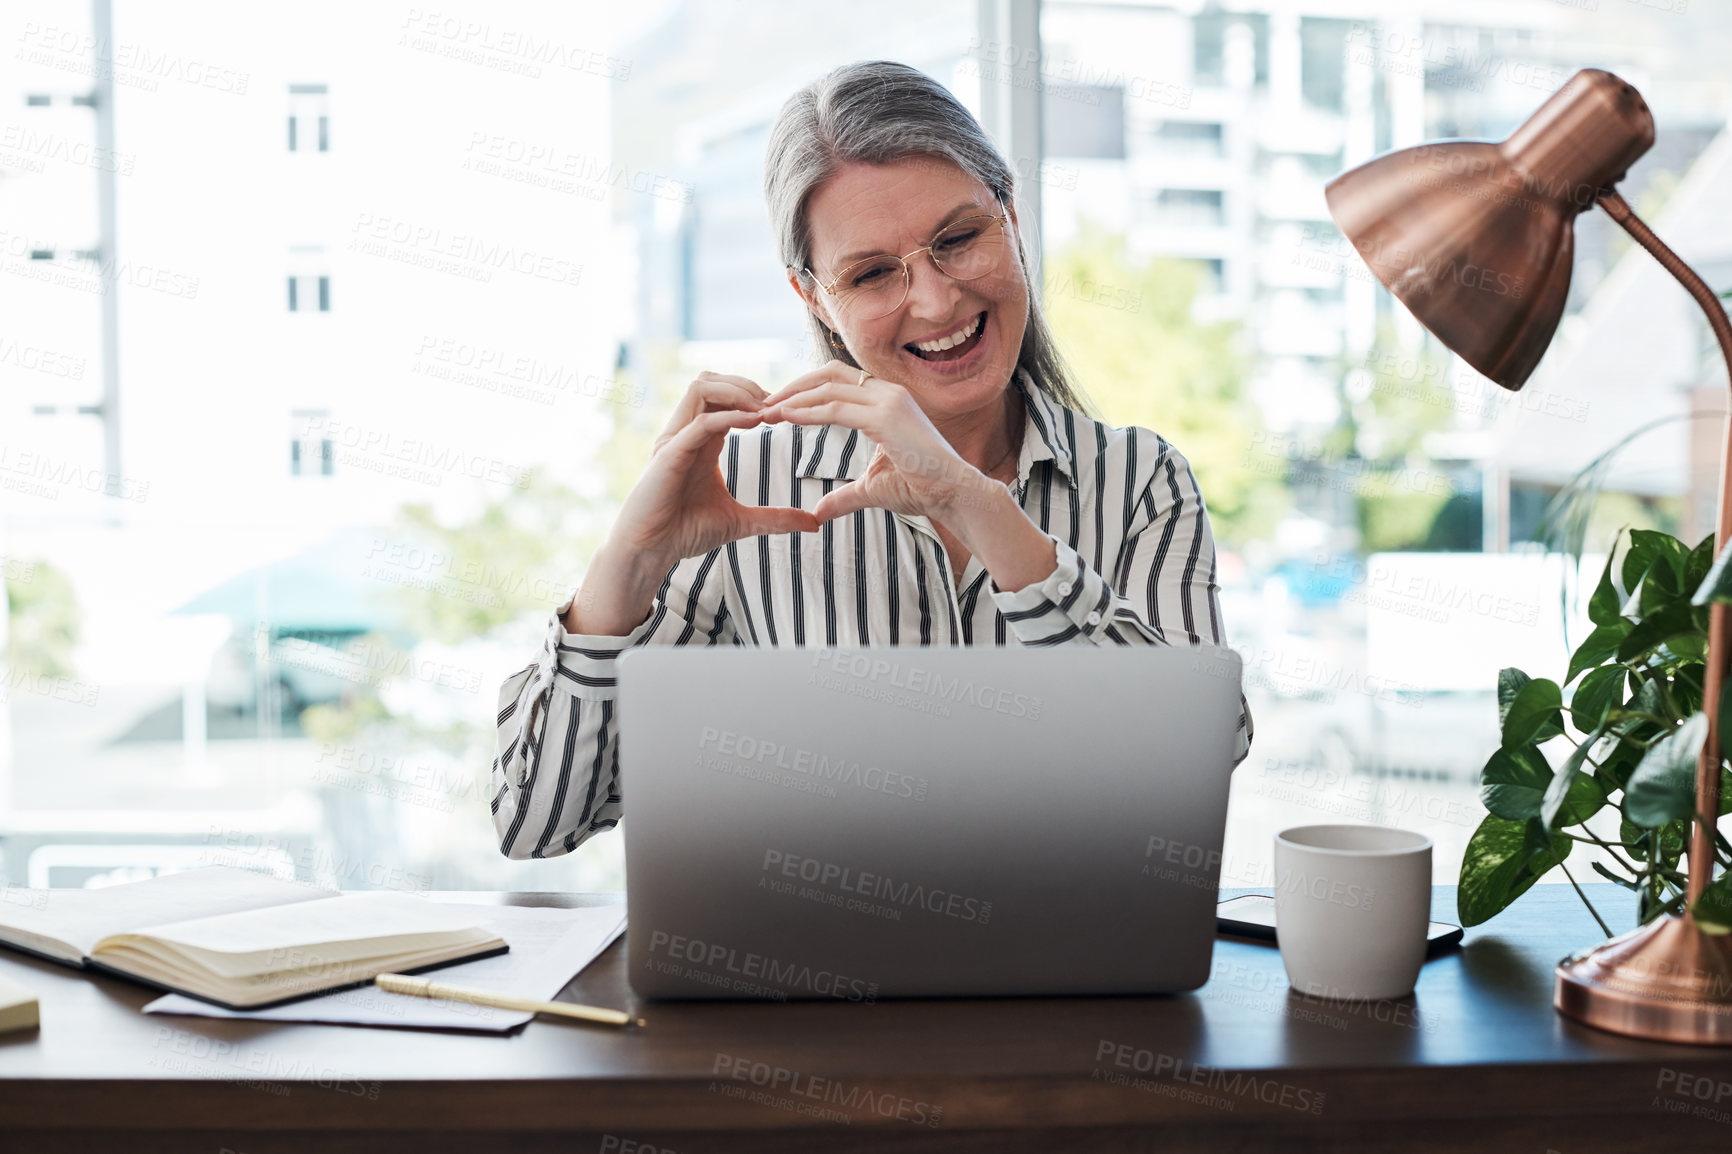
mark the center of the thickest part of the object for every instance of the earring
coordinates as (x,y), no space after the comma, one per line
(836,341)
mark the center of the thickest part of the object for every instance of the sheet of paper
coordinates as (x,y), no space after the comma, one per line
(549,947)
(82,917)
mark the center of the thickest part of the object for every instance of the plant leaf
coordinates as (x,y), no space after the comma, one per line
(1653,631)
(1613,772)
(1599,691)
(1635,840)
(1635,844)
(1539,842)
(1535,715)
(1637,562)
(1687,686)
(1650,549)
(1648,699)
(1572,794)
(1615,879)
(1513,783)
(1632,606)
(1717,585)
(1713,910)
(1663,786)
(1510,682)
(1725,717)
(1665,579)
(1674,835)
(1691,647)
(1599,645)
(1584,800)
(1496,868)
(1603,605)
(1699,562)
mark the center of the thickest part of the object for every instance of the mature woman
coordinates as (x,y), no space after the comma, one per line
(936,482)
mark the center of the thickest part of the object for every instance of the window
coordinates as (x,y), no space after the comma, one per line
(1323,62)
(1324,165)
(646,169)
(1209,36)
(309,118)
(1379,440)
(465,388)
(1211,276)
(309,294)
(1191,138)
(1190,208)
(311,452)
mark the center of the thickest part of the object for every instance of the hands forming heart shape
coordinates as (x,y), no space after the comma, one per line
(681,507)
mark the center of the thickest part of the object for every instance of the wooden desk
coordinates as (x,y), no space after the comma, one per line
(1476,1061)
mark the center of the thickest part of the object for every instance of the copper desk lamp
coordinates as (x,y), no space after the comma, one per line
(1477,240)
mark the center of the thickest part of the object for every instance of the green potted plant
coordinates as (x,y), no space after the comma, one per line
(1636,718)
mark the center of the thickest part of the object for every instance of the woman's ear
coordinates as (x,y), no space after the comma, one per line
(813,297)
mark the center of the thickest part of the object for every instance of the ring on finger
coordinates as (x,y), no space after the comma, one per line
(862,381)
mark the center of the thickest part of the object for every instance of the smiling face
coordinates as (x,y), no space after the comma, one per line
(953,344)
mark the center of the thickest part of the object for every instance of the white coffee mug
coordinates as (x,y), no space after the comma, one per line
(1352,907)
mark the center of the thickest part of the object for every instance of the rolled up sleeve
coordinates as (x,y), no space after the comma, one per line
(1162,590)
(555,781)
(1073,603)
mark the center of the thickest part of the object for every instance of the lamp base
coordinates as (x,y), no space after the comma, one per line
(1667,981)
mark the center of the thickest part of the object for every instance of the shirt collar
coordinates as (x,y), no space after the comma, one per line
(840,453)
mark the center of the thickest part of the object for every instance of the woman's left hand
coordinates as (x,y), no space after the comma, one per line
(914,471)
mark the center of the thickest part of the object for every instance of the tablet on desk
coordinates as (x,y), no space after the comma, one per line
(1253,916)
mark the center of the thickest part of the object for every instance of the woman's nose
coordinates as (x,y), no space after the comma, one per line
(931,294)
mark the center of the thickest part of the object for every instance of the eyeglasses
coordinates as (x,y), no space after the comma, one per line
(877,286)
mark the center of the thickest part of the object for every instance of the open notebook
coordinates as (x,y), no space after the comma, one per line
(242,939)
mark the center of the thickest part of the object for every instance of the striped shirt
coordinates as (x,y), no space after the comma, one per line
(1136,566)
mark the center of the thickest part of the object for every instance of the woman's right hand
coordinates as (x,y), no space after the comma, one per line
(680,507)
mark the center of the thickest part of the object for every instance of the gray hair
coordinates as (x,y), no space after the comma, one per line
(877,112)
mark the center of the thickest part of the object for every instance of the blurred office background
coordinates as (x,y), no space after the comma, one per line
(331,335)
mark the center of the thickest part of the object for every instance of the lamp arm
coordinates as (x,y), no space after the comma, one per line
(1719,640)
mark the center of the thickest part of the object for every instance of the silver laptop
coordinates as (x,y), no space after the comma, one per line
(872,823)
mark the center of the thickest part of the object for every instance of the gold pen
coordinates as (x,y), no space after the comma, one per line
(422,988)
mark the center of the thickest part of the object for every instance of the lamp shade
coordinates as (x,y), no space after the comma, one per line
(1477,238)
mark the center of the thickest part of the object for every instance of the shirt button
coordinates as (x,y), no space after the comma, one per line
(1094,618)
(1064,588)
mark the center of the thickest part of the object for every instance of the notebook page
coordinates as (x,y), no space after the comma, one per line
(307,933)
(549,947)
(81,918)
